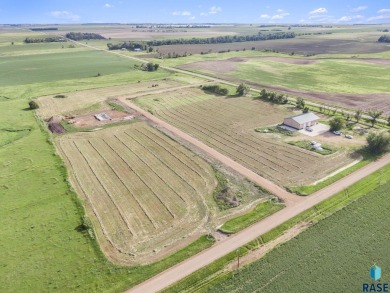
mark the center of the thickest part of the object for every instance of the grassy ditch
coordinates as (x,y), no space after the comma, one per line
(261,211)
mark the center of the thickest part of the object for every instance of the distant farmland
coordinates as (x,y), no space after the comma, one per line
(227,124)
(144,192)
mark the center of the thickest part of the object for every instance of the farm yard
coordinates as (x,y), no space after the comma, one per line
(227,124)
(144,192)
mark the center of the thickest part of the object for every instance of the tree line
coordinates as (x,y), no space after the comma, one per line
(39,29)
(223,39)
(127,45)
(384,39)
(84,36)
(43,40)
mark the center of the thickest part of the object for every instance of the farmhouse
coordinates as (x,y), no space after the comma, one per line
(302,121)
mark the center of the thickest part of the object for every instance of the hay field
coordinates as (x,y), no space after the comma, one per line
(145,193)
(227,124)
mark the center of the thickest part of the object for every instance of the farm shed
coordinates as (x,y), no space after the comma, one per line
(302,121)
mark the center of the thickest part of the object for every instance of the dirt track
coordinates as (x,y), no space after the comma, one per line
(206,257)
(287,197)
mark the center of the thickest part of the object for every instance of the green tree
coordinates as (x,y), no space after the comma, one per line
(33,105)
(300,103)
(358,115)
(305,110)
(336,123)
(374,115)
(378,142)
(242,90)
(156,66)
(388,121)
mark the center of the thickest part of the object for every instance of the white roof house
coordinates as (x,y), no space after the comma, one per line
(302,120)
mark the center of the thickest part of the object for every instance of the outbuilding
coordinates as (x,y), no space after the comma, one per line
(302,121)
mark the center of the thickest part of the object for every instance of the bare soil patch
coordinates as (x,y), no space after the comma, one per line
(89,120)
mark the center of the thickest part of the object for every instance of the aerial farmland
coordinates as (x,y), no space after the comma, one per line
(155,157)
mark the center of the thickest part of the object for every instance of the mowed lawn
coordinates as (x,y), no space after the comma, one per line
(335,255)
(19,70)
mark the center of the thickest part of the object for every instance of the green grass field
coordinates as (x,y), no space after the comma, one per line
(325,75)
(333,256)
(62,66)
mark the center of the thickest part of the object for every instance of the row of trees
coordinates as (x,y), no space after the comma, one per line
(129,46)
(43,40)
(84,36)
(223,39)
(147,66)
(384,39)
(273,97)
(216,89)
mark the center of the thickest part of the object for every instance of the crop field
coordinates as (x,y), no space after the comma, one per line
(144,192)
(17,70)
(227,124)
(341,248)
(74,101)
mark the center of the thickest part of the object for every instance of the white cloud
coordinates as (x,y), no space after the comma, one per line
(349,18)
(359,8)
(212,10)
(108,5)
(317,11)
(280,14)
(384,14)
(181,13)
(66,15)
(192,17)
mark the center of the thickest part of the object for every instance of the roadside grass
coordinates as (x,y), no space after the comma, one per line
(216,273)
(261,211)
(309,189)
(305,144)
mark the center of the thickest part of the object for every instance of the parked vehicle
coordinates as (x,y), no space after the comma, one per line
(337,132)
(348,136)
(309,129)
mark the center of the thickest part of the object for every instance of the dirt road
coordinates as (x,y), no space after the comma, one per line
(287,197)
(232,243)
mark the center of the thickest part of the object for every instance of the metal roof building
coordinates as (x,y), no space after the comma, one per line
(302,120)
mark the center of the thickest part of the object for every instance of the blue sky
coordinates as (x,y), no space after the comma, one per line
(202,11)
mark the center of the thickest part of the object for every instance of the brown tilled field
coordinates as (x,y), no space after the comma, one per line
(227,124)
(145,194)
(298,45)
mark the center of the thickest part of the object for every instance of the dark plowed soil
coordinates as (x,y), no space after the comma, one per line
(56,128)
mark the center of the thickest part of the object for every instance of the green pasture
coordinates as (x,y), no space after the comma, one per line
(29,69)
(38,48)
(340,76)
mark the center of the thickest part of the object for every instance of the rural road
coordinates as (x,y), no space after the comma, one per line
(232,243)
(287,197)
